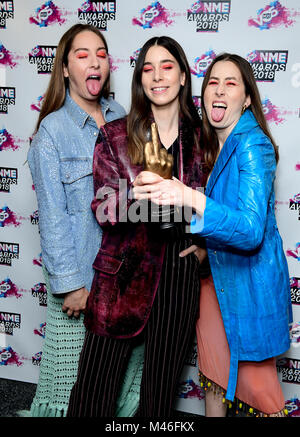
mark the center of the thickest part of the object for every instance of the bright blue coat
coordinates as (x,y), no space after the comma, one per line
(244,247)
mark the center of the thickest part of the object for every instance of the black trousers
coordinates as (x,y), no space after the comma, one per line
(168,335)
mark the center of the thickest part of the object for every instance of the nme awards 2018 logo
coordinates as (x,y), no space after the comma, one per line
(43,57)
(34,217)
(47,14)
(8,177)
(265,63)
(7,98)
(133,57)
(294,204)
(295,290)
(40,291)
(208,14)
(273,15)
(9,321)
(6,11)
(97,13)
(8,251)
(152,16)
(36,358)
(290,369)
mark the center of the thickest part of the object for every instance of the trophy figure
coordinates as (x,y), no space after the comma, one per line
(159,161)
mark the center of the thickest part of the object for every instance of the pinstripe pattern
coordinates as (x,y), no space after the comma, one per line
(169,332)
(167,335)
(95,392)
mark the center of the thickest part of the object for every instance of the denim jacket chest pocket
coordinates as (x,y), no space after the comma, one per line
(77,178)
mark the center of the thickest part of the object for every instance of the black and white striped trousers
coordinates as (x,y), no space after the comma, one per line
(167,335)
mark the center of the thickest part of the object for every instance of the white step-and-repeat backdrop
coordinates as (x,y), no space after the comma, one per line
(265,32)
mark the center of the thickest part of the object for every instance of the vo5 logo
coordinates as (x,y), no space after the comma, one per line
(153,15)
(3,138)
(44,14)
(202,63)
(148,15)
(266,16)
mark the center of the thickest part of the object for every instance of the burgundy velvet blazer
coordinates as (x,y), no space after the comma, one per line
(128,264)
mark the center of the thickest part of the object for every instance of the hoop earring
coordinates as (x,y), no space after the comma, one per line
(243,109)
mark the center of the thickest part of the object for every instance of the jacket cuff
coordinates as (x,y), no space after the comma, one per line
(65,283)
(198,240)
(196,224)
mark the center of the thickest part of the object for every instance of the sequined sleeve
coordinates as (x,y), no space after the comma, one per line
(57,241)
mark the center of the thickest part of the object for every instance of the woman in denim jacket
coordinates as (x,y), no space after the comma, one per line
(245,306)
(76,104)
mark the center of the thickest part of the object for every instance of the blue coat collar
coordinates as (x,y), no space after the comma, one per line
(246,123)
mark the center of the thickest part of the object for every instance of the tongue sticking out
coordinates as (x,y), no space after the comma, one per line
(217,114)
(93,86)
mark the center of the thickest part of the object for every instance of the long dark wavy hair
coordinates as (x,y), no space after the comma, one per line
(139,120)
(56,92)
(209,138)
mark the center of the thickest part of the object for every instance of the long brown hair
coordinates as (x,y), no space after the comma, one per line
(139,120)
(209,137)
(56,92)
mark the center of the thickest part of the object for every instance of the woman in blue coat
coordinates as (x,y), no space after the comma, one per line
(245,306)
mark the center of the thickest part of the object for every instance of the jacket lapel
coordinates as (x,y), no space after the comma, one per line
(245,124)
(225,154)
(187,160)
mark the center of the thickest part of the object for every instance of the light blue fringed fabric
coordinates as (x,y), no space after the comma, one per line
(60,361)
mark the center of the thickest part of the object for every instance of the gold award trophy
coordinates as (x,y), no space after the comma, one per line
(156,158)
(159,161)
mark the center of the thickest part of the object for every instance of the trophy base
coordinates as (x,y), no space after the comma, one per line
(166,225)
(162,214)
(169,221)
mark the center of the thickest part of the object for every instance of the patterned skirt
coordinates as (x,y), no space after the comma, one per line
(258,389)
(59,364)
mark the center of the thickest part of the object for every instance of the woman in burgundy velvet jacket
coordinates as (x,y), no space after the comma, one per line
(143,291)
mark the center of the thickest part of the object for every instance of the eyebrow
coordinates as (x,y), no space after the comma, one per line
(87,49)
(161,62)
(226,78)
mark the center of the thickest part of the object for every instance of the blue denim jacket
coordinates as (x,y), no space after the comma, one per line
(61,163)
(244,247)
